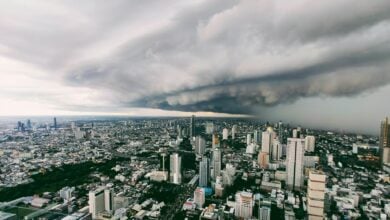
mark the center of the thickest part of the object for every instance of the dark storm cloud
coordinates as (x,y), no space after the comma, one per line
(222,56)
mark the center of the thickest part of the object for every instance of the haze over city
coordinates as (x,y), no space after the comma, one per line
(304,62)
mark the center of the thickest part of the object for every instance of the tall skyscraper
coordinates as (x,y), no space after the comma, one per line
(96,202)
(192,126)
(294,163)
(175,169)
(200,145)
(248,139)
(316,195)
(55,123)
(215,141)
(267,137)
(256,136)
(276,151)
(234,131)
(281,132)
(209,128)
(225,134)
(244,205)
(108,200)
(384,142)
(204,172)
(216,162)
(310,142)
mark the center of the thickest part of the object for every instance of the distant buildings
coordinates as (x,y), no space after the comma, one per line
(384,142)
(234,131)
(175,169)
(294,162)
(225,134)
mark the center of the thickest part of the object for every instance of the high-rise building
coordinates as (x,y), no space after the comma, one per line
(216,162)
(225,134)
(209,128)
(295,133)
(263,159)
(55,123)
(276,151)
(384,142)
(175,169)
(108,200)
(204,172)
(192,126)
(248,139)
(294,162)
(199,197)
(256,136)
(281,132)
(234,131)
(267,138)
(265,209)
(310,142)
(215,141)
(96,202)
(200,145)
(316,195)
(244,205)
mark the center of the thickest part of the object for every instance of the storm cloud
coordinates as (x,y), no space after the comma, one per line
(233,56)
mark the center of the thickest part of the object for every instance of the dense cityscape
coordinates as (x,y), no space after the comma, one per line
(190,168)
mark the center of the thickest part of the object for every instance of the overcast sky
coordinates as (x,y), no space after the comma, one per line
(315,63)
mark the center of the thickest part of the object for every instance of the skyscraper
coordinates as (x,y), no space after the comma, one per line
(55,123)
(267,138)
(384,142)
(96,202)
(215,141)
(175,169)
(294,163)
(234,131)
(248,139)
(216,163)
(192,126)
(281,132)
(316,195)
(256,136)
(200,145)
(108,200)
(204,172)
(225,134)
(310,142)
(244,205)
(276,151)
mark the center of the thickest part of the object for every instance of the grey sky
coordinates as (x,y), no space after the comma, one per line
(272,59)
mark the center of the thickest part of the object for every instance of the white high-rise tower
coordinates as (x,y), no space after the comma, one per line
(175,169)
(294,163)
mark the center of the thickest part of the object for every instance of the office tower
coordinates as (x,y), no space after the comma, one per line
(209,128)
(204,172)
(225,134)
(163,155)
(267,137)
(294,162)
(316,195)
(216,162)
(384,142)
(199,197)
(256,136)
(248,139)
(192,126)
(310,142)
(179,134)
(55,123)
(244,205)
(276,150)
(200,145)
(265,209)
(175,169)
(250,149)
(108,200)
(234,131)
(28,124)
(281,132)
(96,202)
(215,141)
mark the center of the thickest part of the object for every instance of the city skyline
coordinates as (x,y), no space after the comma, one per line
(290,61)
